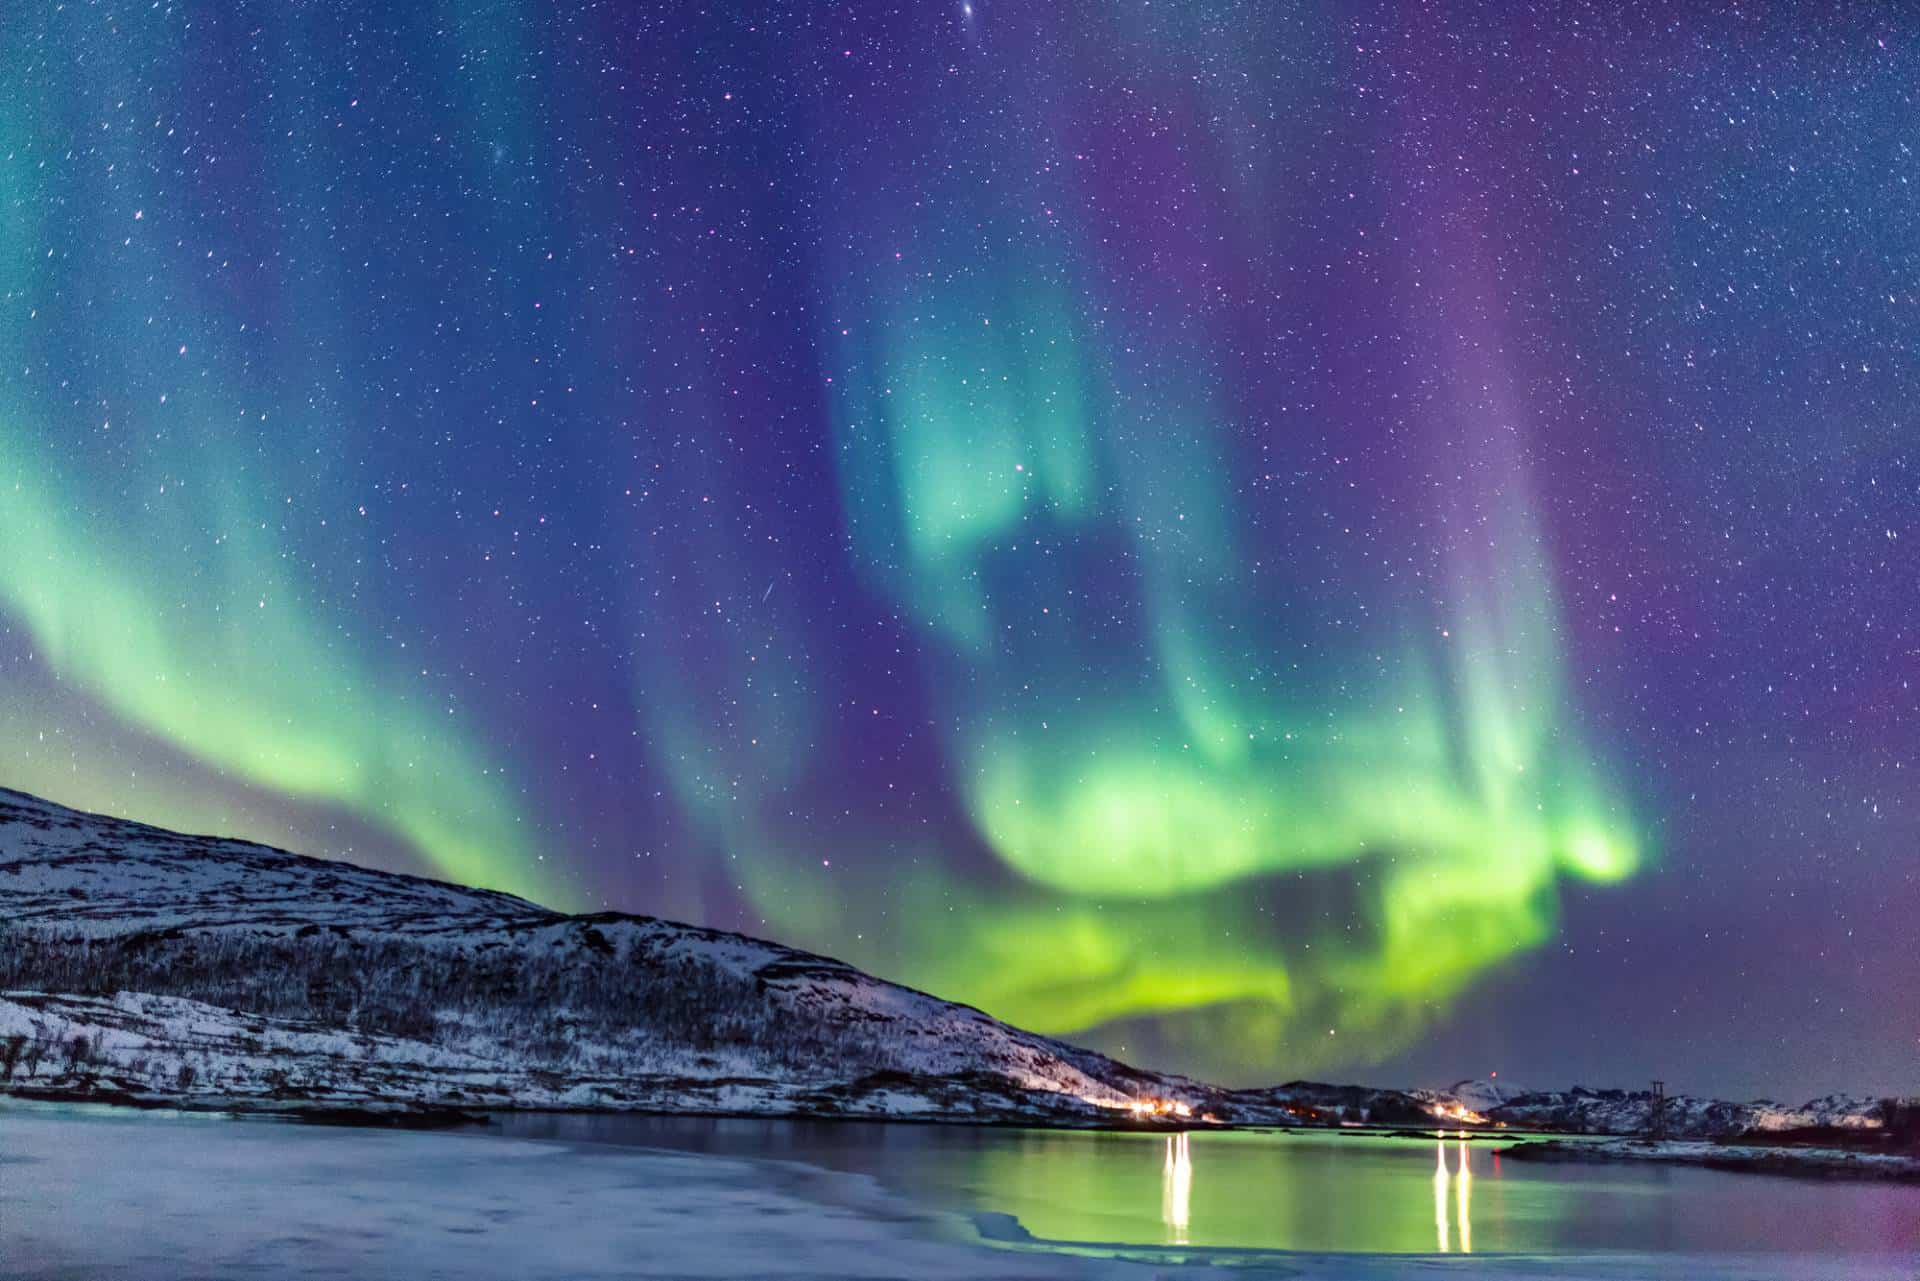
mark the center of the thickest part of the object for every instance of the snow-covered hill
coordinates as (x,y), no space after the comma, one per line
(139,963)
(142,963)
(1585,1111)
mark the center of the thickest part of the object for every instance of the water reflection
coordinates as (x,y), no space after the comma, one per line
(1462,1197)
(1176,1188)
(1463,1194)
(1310,1191)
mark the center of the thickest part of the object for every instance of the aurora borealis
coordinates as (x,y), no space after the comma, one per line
(1264,538)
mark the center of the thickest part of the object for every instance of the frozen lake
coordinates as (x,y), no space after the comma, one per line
(102,1194)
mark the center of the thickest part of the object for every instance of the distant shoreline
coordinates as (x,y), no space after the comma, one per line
(1792,1161)
(403,1115)
(409,1116)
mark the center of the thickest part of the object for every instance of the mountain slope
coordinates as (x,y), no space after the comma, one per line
(140,962)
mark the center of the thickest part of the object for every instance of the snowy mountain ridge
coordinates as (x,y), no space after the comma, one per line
(1587,1111)
(233,973)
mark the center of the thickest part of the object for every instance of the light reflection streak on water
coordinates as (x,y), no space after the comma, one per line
(1463,1190)
(1462,1198)
(1176,1188)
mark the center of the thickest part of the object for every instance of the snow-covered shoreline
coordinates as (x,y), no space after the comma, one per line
(103,1193)
(1801,1161)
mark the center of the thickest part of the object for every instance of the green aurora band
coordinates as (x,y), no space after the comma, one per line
(232,670)
(150,571)
(1138,800)
(1247,851)
(1132,823)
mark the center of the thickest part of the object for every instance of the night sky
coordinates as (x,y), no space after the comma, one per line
(1268,538)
